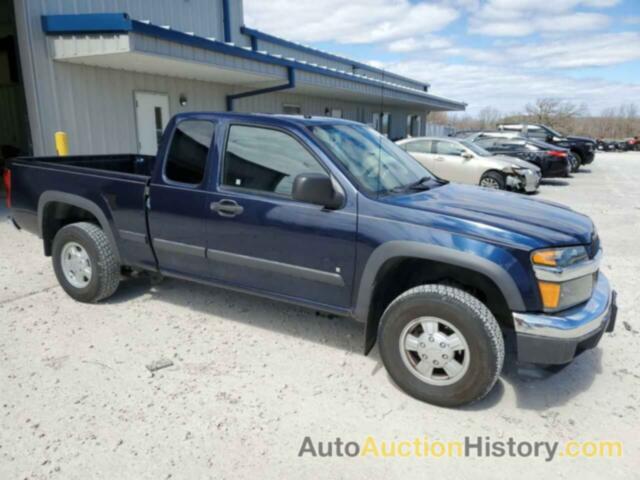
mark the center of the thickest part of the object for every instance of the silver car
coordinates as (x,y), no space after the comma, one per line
(465,162)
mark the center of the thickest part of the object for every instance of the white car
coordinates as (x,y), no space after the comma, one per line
(462,161)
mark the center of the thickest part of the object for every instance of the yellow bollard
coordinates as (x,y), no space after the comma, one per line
(62,144)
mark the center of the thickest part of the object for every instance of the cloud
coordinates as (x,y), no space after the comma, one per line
(356,21)
(509,90)
(519,18)
(567,53)
(594,51)
(524,26)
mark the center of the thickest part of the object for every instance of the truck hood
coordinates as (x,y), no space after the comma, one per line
(500,216)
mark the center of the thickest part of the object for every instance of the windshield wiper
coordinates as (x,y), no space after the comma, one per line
(419,185)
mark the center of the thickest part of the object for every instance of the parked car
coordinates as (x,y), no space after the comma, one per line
(465,162)
(629,144)
(607,144)
(553,161)
(328,214)
(583,148)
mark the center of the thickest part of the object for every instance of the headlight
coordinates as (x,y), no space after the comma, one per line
(559,257)
(566,276)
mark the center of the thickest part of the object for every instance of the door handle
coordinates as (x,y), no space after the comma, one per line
(440,159)
(227,208)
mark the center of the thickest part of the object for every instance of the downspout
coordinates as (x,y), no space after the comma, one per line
(226,20)
(290,84)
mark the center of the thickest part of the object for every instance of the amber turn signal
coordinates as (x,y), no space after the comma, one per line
(550,293)
(545,257)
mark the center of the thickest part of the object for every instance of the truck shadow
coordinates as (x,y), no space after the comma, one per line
(539,388)
(225,305)
(535,388)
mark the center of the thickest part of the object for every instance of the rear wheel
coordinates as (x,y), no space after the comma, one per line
(85,263)
(441,345)
(494,180)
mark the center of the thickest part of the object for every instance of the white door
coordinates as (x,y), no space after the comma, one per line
(152,116)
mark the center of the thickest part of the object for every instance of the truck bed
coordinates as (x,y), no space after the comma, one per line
(115,184)
(125,163)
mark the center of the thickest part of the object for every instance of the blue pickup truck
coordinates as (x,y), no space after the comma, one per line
(330,215)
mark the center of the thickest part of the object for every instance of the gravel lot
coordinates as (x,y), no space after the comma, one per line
(251,378)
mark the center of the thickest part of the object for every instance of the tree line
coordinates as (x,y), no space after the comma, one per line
(567,117)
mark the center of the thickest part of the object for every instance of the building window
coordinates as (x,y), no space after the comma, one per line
(414,124)
(189,151)
(265,159)
(288,109)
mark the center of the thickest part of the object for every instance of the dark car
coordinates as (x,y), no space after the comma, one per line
(583,148)
(328,214)
(553,161)
(607,144)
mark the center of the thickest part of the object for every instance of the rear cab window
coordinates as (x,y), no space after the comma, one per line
(188,152)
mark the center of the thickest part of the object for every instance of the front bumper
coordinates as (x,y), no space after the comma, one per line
(557,338)
(527,182)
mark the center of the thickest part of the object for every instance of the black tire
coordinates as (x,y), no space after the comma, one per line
(574,163)
(105,275)
(575,167)
(495,178)
(473,320)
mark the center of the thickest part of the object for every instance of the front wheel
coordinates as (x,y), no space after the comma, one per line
(85,263)
(441,345)
(493,180)
(574,162)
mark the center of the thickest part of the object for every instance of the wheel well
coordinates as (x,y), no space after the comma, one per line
(57,215)
(400,274)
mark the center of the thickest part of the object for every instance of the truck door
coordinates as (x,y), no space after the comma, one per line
(259,238)
(177,200)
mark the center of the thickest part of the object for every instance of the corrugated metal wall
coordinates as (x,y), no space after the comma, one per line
(47,82)
(95,105)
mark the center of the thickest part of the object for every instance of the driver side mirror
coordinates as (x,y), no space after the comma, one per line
(317,189)
(467,155)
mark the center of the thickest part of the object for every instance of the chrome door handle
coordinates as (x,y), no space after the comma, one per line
(227,208)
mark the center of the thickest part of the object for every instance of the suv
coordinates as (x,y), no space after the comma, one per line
(465,162)
(583,148)
(330,215)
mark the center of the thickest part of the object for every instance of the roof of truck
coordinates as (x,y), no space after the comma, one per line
(304,120)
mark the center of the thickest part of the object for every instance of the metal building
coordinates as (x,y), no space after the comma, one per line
(110,73)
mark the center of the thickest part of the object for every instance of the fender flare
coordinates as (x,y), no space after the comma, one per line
(76,201)
(399,248)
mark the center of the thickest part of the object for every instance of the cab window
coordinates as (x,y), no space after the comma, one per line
(265,159)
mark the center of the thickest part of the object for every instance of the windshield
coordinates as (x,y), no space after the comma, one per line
(377,164)
(553,132)
(475,148)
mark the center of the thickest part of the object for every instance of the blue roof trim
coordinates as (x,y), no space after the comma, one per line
(86,23)
(113,23)
(257,34)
